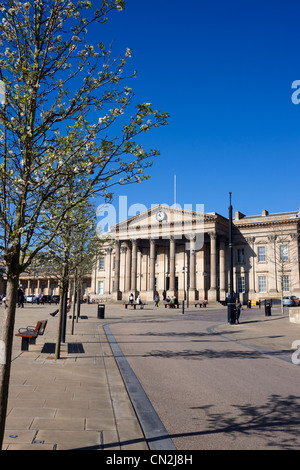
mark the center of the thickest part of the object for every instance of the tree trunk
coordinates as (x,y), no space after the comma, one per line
(7,338)
(78,301)
(60,319)
(74,305)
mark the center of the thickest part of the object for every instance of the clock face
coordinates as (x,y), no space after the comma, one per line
(160,216)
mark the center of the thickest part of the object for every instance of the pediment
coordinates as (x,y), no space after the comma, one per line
(161,221)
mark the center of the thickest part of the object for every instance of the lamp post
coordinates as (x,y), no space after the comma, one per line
(230,304)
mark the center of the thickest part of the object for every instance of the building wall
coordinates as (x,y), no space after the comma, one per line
(259,262)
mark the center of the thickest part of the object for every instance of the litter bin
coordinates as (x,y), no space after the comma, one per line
(231,313)
(267,309)
(101,310)
(249,304)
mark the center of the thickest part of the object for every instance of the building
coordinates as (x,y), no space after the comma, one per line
(185,253)
(35,281)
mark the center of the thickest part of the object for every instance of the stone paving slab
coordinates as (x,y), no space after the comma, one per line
(274,334)
(76,402)
(80,400)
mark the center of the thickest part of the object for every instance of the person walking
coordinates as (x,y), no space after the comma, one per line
(238,307)
(20,297)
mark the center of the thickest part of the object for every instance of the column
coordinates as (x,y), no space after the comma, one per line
(250,288)
(107,273)
(128,268)
(212,293)
(152,266)
(123,261)
(133,265)
(192,286)
(116,293)
(150,275)
(172,265)
(201,274)
(294,253)
(222,271)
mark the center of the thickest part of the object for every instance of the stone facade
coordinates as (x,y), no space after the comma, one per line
(185,253)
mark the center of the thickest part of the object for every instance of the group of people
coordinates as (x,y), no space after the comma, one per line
(138,300)
(172,300)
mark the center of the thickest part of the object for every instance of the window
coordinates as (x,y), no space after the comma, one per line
(100,287)
(101,263)
(240,284)
(284,253)
(261,252)
(240,255)
(262,284)
(285,283)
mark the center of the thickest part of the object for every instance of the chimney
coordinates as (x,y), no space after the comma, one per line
(238,215)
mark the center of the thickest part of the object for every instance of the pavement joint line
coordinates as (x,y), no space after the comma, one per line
(253,348)
(154,431)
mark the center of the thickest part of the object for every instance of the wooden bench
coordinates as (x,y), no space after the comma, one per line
(201,303)
(134,304)
(30,334)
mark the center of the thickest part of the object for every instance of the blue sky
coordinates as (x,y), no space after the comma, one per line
(223,70)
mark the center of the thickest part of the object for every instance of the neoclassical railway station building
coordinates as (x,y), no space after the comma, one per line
(185,253)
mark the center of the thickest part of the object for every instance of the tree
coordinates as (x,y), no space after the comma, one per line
(71,254)
(55,84)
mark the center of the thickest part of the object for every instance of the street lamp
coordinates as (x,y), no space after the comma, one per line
(230,304)
(186,269)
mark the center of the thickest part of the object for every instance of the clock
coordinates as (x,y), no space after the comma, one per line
(160,216)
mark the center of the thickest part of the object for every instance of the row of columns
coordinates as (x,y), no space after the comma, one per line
(131,266)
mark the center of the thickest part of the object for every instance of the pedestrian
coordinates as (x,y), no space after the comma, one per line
(131,298)
(20,297)
(164,295)
(140,302)
(156,298)
(237,310)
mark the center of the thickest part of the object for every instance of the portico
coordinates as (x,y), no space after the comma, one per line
(167,249)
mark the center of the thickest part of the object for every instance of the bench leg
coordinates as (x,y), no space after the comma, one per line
(25,344)
(126,306)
